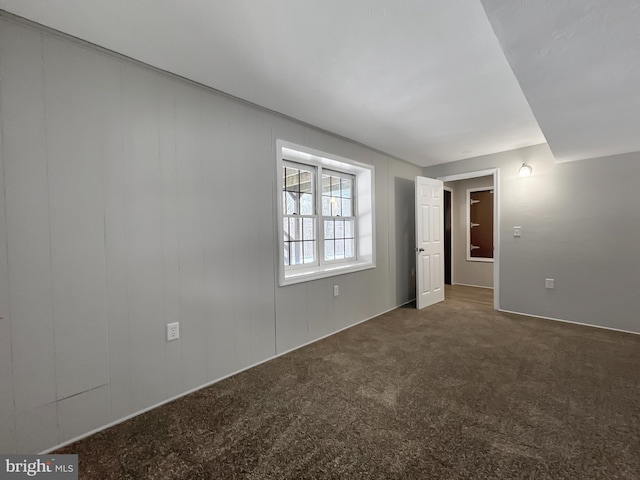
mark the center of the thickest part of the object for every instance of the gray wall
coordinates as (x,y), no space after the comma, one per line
(131,199)
(580,225)
(466,272)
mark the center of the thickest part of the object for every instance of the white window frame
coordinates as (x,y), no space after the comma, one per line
(321,217)
(363,212)
(315,216)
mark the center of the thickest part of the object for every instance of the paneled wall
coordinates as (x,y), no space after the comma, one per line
(130,199)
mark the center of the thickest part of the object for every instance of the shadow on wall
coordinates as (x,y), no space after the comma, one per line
(405,239)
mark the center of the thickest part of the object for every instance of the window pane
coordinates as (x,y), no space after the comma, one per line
(285,228)
(308,229)
(326,206)
(296,253)
(291,179)
(335,207)
(339,250)
(286,253)
(328,250)
(346,207)
(335,186)
(305,181)
(326,185)
(306,204)
(349,251)
(346,188)
(309,252)
(328,229)
(339,228)
(348,229)
(290,203)
(295,228)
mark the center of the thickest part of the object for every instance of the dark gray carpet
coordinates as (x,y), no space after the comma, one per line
(456,391)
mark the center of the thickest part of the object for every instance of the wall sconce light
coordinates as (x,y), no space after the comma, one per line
(525,170)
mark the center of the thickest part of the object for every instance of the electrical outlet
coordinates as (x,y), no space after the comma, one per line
(173,331)
(517,231)
(413,272)
(549,283)
(336,290)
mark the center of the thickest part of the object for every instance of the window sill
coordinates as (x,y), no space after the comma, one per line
(307,274)
(479,259)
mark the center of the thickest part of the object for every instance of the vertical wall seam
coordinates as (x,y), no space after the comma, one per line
(126,233)
(162,234)
(104,240)
(9,316)
(175,173)
(51,275)
(162,225)
(201,155)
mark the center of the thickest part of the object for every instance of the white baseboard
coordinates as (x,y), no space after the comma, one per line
(569,321)
(208,384)
(476,286)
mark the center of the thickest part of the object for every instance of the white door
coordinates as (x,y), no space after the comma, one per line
(429,242)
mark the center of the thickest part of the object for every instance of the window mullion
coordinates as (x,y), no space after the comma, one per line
(320,224)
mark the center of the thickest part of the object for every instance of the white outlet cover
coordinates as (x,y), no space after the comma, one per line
(517,231)
(173,331)
(549,283)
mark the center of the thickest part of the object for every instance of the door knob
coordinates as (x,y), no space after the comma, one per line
(419,250)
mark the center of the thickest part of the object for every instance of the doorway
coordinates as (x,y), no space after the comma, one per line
(450,255)
(447,236)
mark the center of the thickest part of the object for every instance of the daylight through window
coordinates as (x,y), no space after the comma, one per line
(326,215)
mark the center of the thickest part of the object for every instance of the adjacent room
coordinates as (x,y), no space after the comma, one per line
(285,239)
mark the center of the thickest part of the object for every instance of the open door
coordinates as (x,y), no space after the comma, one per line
(429,242)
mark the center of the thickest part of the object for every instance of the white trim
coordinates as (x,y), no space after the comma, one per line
(327,270)
(496,222)
(208,384)
(475,286)
(468,226)
(465,176)
(569,321)
(496,239)
(342,329)
(363,205)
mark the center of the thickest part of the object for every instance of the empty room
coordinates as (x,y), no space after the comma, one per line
(309,239)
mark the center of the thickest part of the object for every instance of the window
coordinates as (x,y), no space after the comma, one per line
(325,216)
(337,216)
(299,215)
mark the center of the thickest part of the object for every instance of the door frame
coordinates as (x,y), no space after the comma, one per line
(496,222)
(450,259)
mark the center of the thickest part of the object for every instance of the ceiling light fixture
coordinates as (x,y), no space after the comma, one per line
(525,170)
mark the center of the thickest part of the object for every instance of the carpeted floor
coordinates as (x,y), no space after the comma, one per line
(456,391)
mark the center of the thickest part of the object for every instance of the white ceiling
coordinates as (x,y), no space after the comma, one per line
(424,81)
(578,63)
